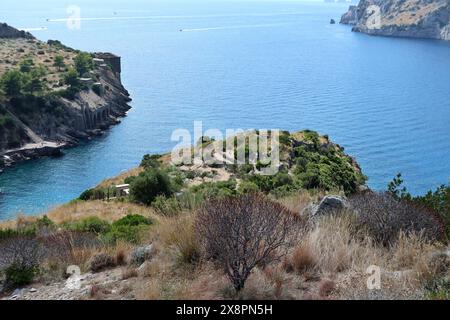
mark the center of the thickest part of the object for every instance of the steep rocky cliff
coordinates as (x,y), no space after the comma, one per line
(401,18)
(48,113)
(12,33)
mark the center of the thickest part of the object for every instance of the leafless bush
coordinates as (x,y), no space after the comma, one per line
(384,217)
(243,232)
(24,251)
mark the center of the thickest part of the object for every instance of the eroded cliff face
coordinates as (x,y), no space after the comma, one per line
(34,125)
(401,18)
(351,16)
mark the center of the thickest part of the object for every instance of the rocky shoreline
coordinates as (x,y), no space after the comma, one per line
(401,18)
(58,121)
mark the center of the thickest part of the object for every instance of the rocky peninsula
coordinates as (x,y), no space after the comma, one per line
(401,18)
(53,96)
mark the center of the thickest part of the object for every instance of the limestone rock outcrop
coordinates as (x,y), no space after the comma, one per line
(401,18)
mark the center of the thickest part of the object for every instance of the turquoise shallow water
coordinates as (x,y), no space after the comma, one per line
(253,64)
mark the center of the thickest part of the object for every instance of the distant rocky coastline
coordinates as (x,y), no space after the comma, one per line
(401,18)
(40,124)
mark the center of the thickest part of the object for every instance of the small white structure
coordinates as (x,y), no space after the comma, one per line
(98,61)
(87,81)
(122,190)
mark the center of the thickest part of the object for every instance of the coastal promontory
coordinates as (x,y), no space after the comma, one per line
(53,96)
(401,18)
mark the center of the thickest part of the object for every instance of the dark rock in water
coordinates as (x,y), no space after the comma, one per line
(332,21)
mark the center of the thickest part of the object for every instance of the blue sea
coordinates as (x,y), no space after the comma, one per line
(244,64)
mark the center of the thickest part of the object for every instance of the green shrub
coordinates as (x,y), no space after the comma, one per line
(129,228)
(72,80)
(59,62)
(132,220)
(93,194)
(151,161)
(20,257)
(247,187)
(166,206)
(219,189)
(325,168)
(83,63)
(12,83)
(91,224)
(26,65)
(44,222)
(150,184)
(285,138)
(267,183)
(86,195)
(18,275)
(8,233)
(190,200)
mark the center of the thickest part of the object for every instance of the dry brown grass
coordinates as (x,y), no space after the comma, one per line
(326,287)
(109,211)
(330,261)
(297,202)
(302,259)
(268,284)
(406,266)
(207,284)
(178,234)
(128,273)
(120,179)
(77,210)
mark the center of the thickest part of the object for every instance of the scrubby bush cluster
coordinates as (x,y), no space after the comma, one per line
(437,200)
(384,217)
(128,228)
(19,260)
(43,246)
(27,80)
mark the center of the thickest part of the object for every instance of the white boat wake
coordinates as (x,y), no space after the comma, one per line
(33,29)
(234,27)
